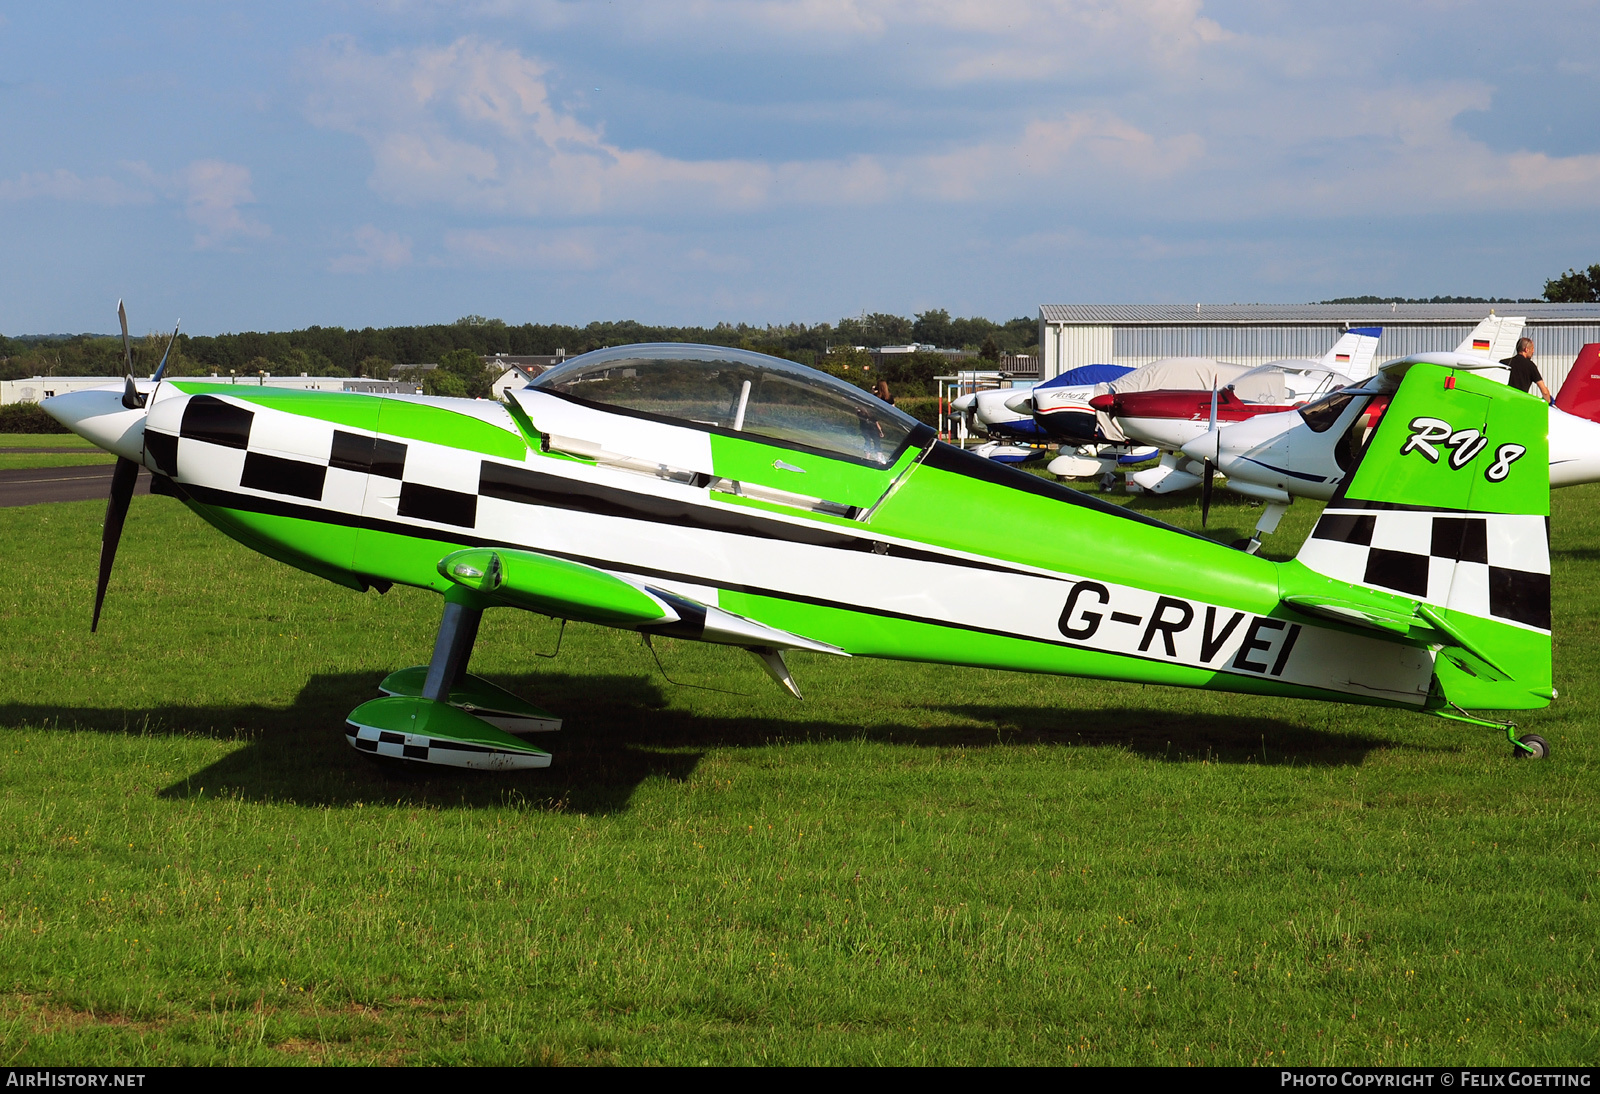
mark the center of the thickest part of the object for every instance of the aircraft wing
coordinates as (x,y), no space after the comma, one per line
(575,590)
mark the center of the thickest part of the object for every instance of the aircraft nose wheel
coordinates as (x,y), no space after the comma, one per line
(1532,747)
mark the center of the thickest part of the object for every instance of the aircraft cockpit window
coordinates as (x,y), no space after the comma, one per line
(1321,414)
(736,391)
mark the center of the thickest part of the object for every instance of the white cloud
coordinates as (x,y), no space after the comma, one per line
(1045,34)
(375,248)
(211,192)
(473,125)
(64,185)
(526,248)
(214,190)
(1197,121)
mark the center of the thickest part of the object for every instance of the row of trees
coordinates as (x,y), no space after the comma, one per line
(336,351)
(1575,286)
(1572,287)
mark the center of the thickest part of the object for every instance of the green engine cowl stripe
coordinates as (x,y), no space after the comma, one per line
(375,413)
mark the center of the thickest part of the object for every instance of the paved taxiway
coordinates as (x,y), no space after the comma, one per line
(32,485)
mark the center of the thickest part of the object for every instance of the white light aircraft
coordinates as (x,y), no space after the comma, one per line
(1307,453)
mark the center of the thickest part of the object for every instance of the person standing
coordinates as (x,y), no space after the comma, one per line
(1524,373)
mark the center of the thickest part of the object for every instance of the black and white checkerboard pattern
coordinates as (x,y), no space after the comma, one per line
(439,750)
(1493,565)
(230,445)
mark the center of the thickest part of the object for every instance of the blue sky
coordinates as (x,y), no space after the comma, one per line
(354,163)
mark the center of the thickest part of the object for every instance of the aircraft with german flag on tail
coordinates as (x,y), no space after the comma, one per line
(724,496)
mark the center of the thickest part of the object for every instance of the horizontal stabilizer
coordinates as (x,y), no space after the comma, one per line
(1397,619)
(1421,621)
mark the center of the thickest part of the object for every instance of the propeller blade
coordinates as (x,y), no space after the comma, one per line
(123,480)
(127,344)
(130,392)
(1205,493)
(162,367)
(1213,424)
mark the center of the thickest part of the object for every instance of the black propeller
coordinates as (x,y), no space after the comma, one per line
(123,480)
(126,475)
(161,369)
(1209,468)
(130,392)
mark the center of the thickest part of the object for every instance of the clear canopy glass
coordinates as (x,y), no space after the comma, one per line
(1326,410)
(737,391)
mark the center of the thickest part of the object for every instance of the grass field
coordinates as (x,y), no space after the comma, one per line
(43,440)
(916,865)
(71,451)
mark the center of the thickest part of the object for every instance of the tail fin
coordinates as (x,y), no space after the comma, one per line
(1580,392)
(1495,338)
(1449,506)
(1352,353)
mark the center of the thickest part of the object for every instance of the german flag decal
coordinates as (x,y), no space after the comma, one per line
(1343,357)
(1481,343)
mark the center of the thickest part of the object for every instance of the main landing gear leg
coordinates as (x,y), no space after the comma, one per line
(445,679)
(440,714)
(458,631)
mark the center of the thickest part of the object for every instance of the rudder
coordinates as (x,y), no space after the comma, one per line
(1449,506)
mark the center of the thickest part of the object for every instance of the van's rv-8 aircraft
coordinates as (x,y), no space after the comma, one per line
(725,496)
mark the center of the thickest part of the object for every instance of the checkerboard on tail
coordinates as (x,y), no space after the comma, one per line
(1449,508)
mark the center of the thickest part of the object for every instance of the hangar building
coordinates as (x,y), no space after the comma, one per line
(1253,334)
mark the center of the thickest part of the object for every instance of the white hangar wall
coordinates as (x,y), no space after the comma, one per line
(1253,334)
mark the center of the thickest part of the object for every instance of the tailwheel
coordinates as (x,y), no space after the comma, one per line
(1532,747)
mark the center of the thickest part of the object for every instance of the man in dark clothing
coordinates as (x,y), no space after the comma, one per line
(1524,373)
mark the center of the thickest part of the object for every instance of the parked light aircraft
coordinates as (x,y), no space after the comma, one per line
(1076,418)
(724,496)
(1016,413)
(1306,453)
(1172,419)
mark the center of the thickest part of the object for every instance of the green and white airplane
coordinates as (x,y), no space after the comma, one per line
(730,497)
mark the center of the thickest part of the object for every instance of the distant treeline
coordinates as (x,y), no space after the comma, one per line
(335,351)
(1434,300)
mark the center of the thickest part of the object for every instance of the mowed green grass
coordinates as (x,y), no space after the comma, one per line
(74,451)
(43,440)
(918,864)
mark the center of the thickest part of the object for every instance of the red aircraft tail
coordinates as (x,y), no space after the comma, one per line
(1580,394)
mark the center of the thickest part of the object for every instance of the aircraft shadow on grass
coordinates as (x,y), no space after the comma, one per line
(618,734)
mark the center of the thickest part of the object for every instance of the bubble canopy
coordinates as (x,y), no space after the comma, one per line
(735,391)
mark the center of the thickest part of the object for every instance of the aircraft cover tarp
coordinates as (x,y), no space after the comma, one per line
(1084,375)
(1167,374)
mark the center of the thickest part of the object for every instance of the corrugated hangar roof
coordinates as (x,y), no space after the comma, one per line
(1130,314)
